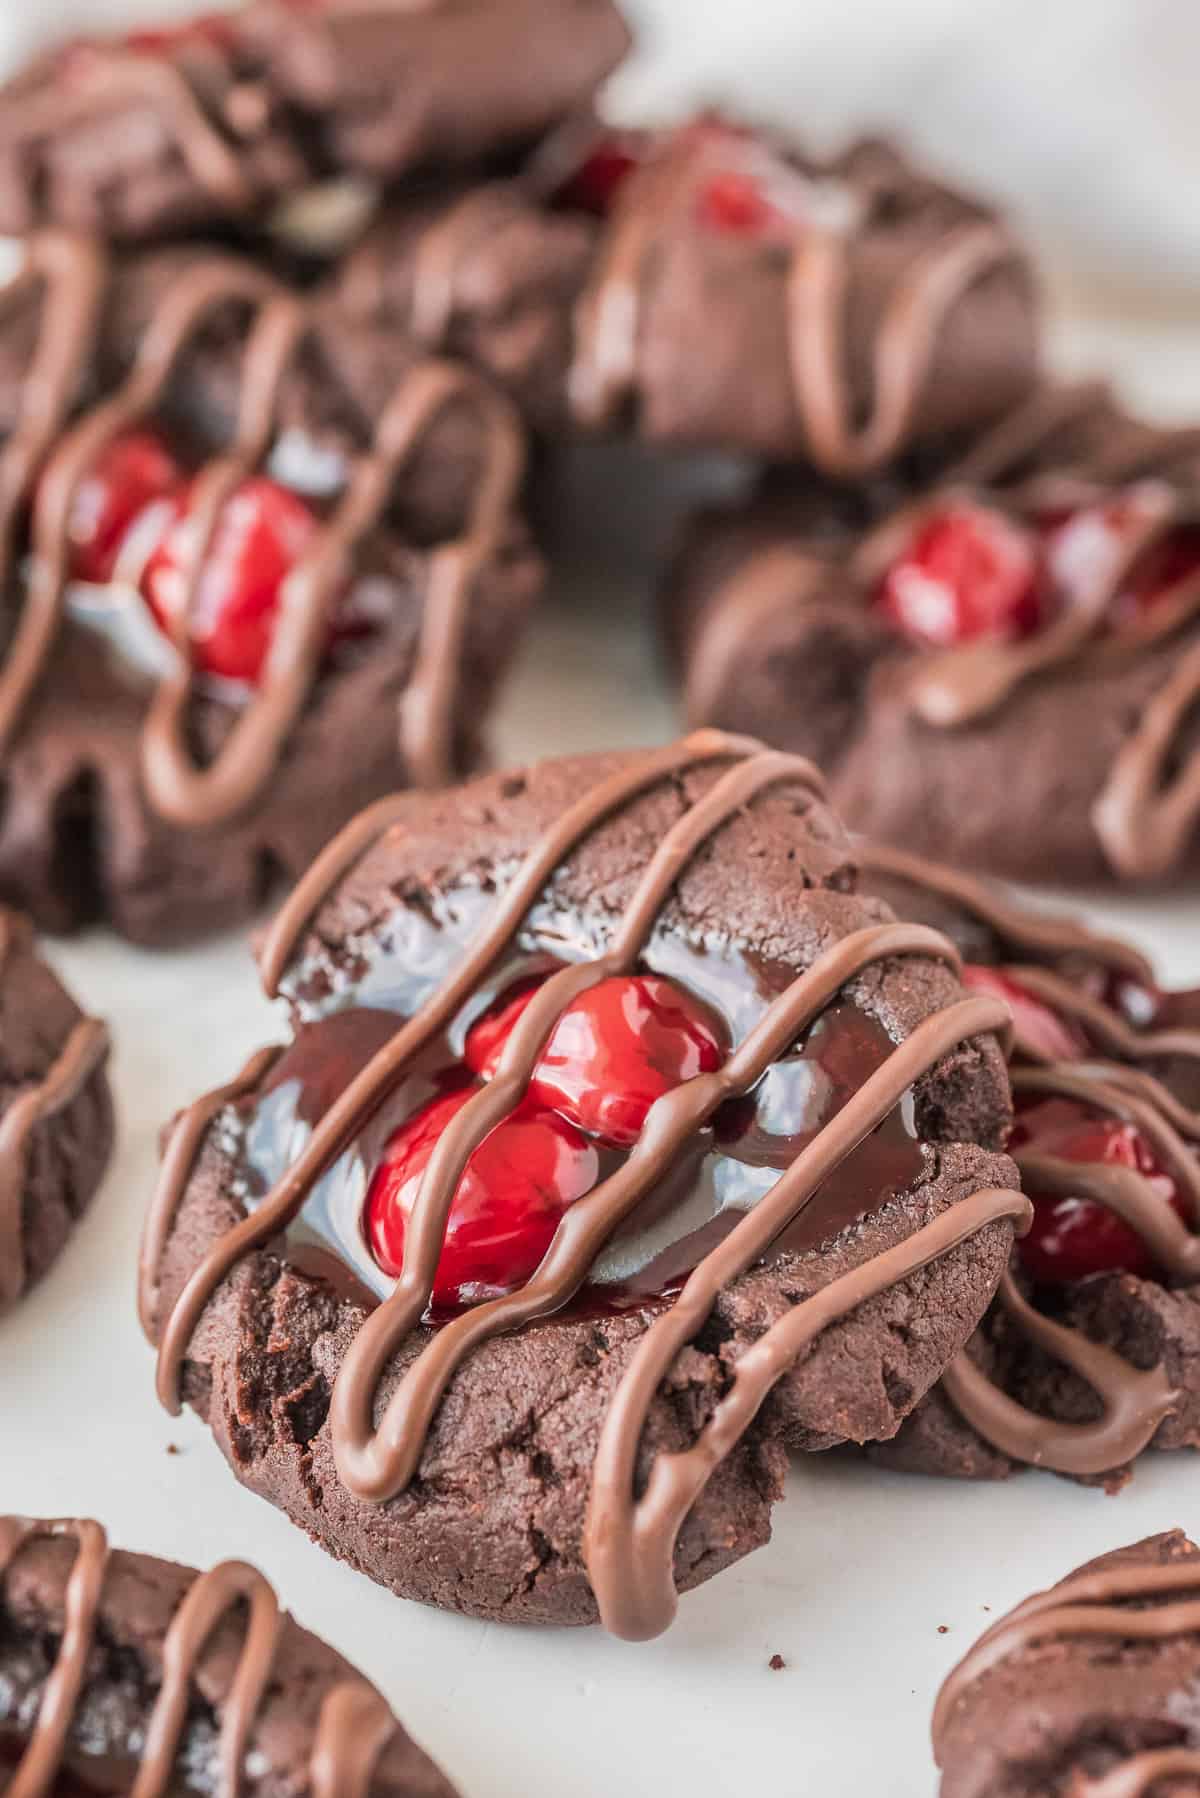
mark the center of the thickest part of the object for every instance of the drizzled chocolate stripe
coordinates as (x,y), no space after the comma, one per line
(1139,1775)
(186,794)
(1090,1607)
(605,369)
(481,214)
(81,1056)
(355,1724)
(1134,1401)
(1147,810)
(1032,933)
(905,343)
(103,76)
(376,1460)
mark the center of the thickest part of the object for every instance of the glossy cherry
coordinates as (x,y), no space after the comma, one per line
(593,186)
(262,533)
(734,202)
(617,1049)
(131,473)
(1072,1238)
(513,1192)
(968,573)
(1090,546)
(1038,1027)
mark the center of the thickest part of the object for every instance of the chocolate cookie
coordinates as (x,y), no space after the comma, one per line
(718,286)
(213,120)
(123,1673)
(1087,1690)
(56,1119)
(1089,1354)
(252,601)
(712,1172)
(1026,627)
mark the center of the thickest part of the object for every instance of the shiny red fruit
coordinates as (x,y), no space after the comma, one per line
(1072,1238)
(262,533)
(131,473)
(615,1051)
(514,1189)
(735,203)
(968,573)
(1038,1028)
(1089,546)
(593,186)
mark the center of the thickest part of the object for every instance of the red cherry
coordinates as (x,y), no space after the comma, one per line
(1071,1238)
(130,474)
(969,572)
(514,1189)
(262,533)
(735,203)
(210,28)
(1086,548)
(593,186)
(617,1049)
(1037,1026)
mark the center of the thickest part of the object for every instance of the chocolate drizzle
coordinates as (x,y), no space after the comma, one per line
(1137,1602)
(196,797)
(1135,1400)
(355,1723)
(1148,808)
(818,309)
(104,75)
(629,1544)
(81,1056)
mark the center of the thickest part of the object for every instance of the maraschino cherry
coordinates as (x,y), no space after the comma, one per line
(969,573)
(130,474)
(1091,545)
(262,532)
(617,1049)
(513,1193)
(594,185)
(1037,1026)
(1072,1238)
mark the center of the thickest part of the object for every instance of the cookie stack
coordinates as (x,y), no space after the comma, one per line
(634,1125)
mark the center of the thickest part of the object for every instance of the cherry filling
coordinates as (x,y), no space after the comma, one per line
(262,533)
(514,1190)
(593,186)
(131,474)
(740,188)
(968,573)
(971,573)
(617,1050)
(1038,1028)
(1072,1238)
(132,521)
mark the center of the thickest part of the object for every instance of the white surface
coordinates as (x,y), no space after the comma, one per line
(865,1568)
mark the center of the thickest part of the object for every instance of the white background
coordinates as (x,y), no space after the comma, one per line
(865,1568)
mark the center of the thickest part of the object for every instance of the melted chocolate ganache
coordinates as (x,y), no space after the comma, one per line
(355,1723)
(47,457)
(806,1126)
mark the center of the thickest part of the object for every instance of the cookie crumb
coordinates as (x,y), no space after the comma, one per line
(943,1629)
(776,1663)
(173,1448)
